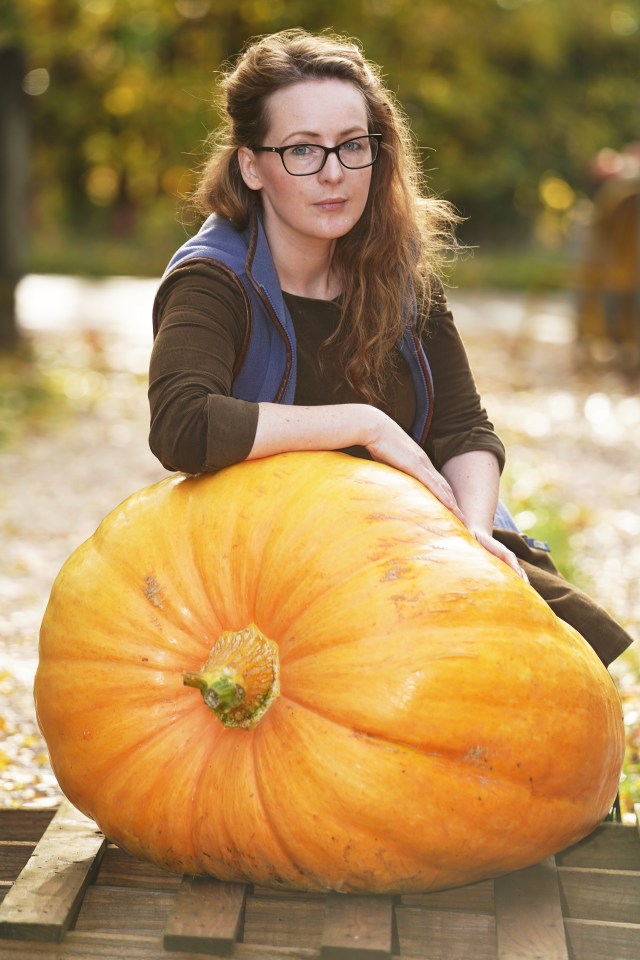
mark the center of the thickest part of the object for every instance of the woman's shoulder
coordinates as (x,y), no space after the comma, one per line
(201,273)
(437,316)
(203,286)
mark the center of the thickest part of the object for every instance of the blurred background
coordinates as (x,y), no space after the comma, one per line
(527,115)
(512,103)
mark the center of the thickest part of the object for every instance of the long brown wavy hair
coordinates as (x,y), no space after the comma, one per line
(403,237)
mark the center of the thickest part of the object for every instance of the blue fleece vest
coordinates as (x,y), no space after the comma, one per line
(266,370)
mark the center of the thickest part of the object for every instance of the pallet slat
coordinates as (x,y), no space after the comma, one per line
(24,824)
(595,940)
(472,898)
(120,869)
(357,928)
(295,921)
(445,934)
(529,922)
(127,911)
(44,900)
(14,856)
(611,846)
(207,916)
(607,895)
(83,946)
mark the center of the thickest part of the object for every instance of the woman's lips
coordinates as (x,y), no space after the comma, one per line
(331,203)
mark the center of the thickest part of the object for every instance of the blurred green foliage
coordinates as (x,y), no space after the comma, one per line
(509,99)
(29,397)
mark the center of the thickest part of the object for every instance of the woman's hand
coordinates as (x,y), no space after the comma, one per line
(475,480)
(500,551)
(388,443)
(282,427)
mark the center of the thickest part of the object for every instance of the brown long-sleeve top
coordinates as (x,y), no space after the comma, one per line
(199,325)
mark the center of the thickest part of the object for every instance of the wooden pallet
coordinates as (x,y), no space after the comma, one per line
(70,895)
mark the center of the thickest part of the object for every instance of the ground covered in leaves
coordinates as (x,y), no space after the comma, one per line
(73,429)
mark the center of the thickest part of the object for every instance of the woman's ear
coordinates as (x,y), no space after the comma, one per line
(248,168)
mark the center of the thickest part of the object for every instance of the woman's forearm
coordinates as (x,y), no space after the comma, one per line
(283,428)
(474,478)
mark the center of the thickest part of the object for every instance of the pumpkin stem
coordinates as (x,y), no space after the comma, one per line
(241,678)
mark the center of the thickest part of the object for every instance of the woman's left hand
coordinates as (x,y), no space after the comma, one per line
(500,551)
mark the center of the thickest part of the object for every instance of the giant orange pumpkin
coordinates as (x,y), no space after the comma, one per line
(303,671)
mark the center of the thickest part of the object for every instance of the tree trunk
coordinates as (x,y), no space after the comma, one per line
(13,165)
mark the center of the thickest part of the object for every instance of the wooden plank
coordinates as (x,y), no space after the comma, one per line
(595,940)
(474,898)
(278,922)
(43,902)
(120,869)
(357,928)
(14,855)
(260,891)
(24,823)
(89,946)
(611,846)
(207,916)
(609,895)
(529,922)
(445,934)
(124,910)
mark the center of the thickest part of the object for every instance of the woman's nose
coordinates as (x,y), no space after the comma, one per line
(333,169)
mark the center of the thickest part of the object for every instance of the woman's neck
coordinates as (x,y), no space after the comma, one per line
(306,271)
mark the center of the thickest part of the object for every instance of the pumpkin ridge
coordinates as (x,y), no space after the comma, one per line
(288,653)
(167,613)
(277,529)
(127,754)
(291,653)
(390,741)
(112,782)
(557,804)
(272,821)
(464,761)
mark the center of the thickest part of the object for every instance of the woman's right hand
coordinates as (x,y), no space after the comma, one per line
(388,443)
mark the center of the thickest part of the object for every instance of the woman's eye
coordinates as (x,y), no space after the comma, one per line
(301,150)
(351,146)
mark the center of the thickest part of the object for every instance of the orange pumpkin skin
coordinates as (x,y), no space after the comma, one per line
(436,723)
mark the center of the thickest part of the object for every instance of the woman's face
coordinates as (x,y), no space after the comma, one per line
(323,206)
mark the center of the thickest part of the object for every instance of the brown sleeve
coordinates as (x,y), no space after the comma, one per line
(199,323)
(570,604)
(460,422)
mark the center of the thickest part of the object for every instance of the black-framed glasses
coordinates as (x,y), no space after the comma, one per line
(304,159)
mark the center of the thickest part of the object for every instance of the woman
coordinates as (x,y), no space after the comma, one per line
(306,314)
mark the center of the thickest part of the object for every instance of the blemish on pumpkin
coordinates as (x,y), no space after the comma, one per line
(478,755)
(395,570)
(152,590)
(405,599)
